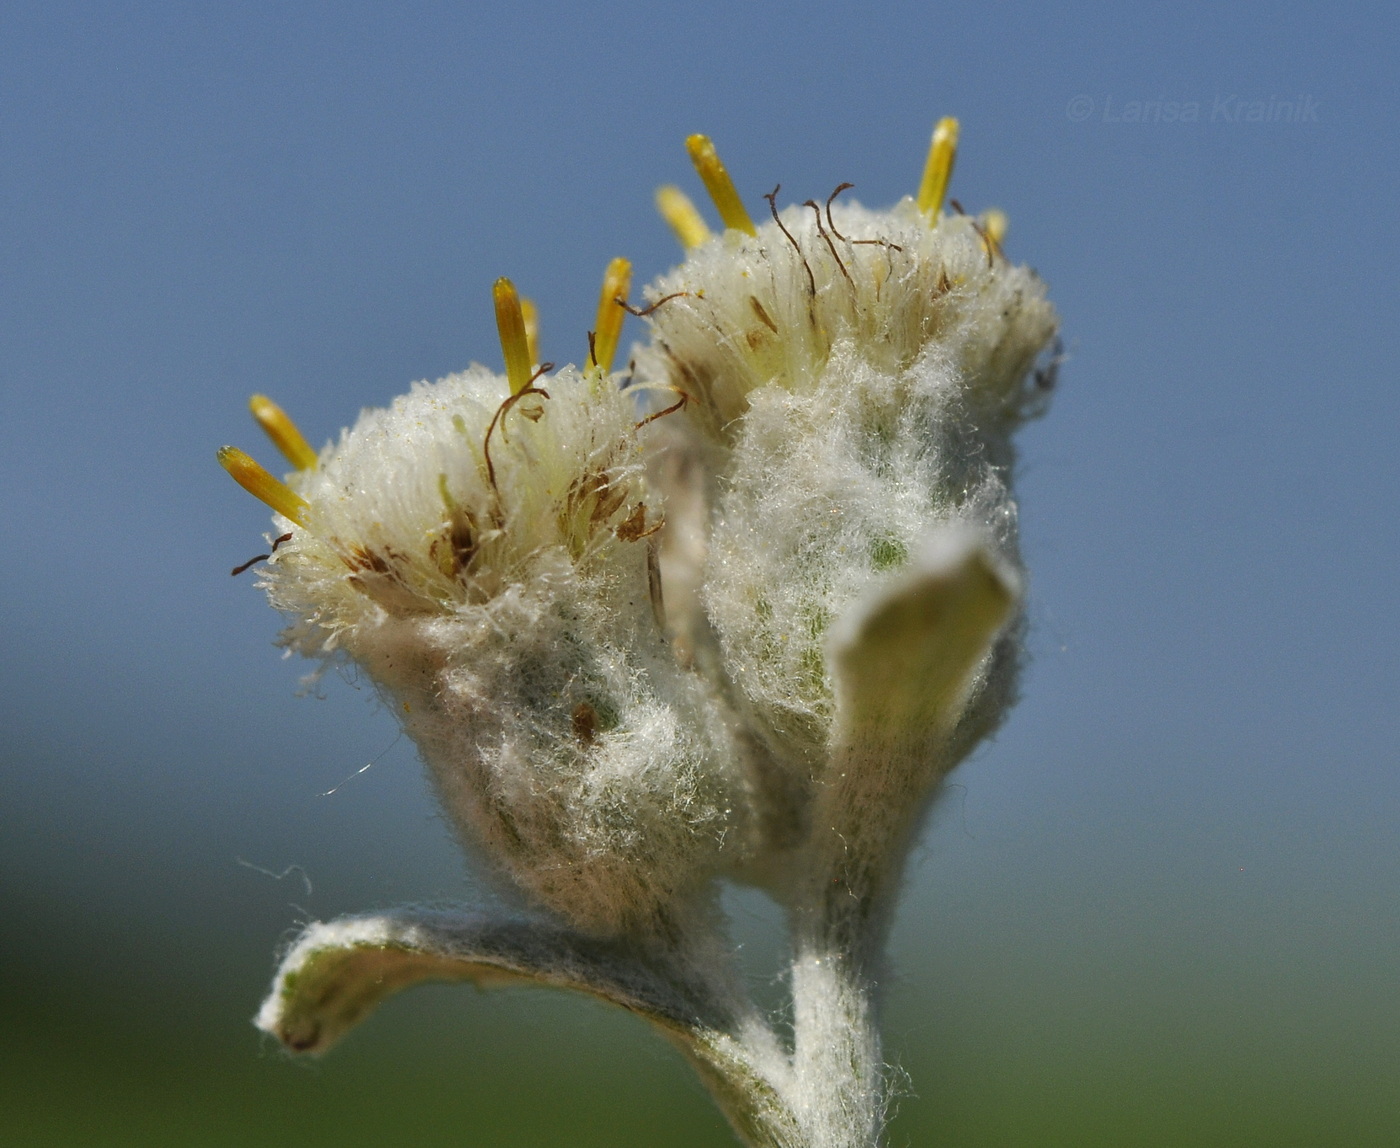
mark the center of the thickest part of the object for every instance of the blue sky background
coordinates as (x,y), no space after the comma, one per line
(1160,909)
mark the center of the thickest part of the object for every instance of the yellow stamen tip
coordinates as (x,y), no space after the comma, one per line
(530,313)
(938,169)
(718,184)
(995,224)
(283,432)
(515,344)
(617,281)
(263,486)
(677,210)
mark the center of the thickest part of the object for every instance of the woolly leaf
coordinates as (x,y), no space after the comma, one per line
(337,973)
(906,663)
(906,658)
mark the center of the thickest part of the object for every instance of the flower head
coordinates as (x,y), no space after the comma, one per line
(483,549)
(856,376)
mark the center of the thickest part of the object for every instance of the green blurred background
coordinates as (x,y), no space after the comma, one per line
(1159,910)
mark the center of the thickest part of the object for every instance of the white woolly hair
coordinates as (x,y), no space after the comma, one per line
(499,594)
(870,465)
(856,376)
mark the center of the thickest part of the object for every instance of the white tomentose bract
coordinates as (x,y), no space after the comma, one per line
(728,616)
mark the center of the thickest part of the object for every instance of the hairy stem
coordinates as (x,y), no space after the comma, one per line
(840,1086)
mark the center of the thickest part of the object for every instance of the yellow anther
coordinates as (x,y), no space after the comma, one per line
(677,210)
(515,343)
(530,313)
(939,168)
(995,224)
(617,280)
(283,432)
(718,184)
(263,486)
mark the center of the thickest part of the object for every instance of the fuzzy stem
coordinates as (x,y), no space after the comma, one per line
(831,1091)
(840,1092)
(730,1044)
(841,919)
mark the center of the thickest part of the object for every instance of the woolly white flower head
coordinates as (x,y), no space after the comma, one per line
(856,376)
(482,548)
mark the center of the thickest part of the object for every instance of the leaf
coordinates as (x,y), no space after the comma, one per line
(907,657)
(337,973)
(906,662)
